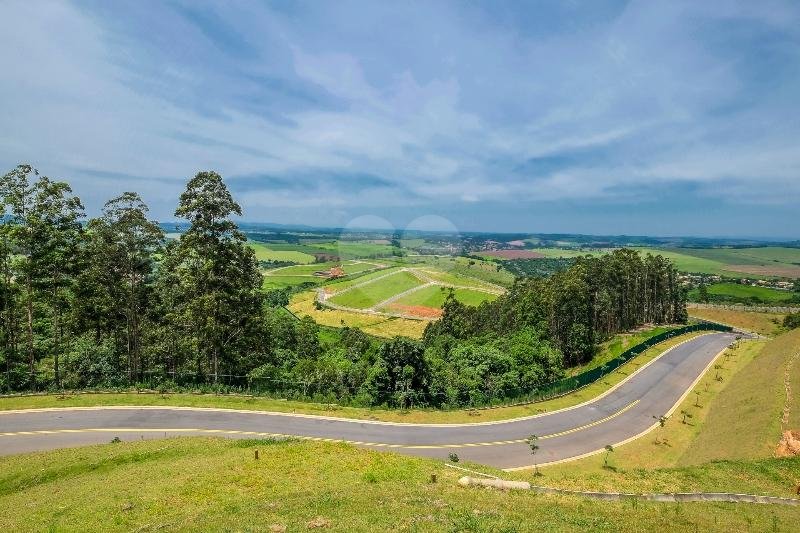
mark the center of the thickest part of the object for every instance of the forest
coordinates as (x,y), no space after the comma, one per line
(110,303)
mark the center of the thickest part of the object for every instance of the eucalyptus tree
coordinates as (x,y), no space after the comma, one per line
(44,219)
(217,282)
(117,281)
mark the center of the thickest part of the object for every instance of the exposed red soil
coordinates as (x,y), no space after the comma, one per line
(514,254)
(789,445)
(418,310)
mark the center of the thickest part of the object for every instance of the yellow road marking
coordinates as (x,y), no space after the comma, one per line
(316,439)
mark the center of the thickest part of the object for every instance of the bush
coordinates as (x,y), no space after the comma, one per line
(792,321)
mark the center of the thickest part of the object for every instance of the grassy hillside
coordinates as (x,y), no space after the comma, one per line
(377,291)
(217,485)
(744,419)
(761,323)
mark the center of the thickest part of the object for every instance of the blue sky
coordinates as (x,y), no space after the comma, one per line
(662,118)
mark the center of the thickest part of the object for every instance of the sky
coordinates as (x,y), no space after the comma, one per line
(597,117)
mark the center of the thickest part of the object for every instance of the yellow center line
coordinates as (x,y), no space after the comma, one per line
(316,439)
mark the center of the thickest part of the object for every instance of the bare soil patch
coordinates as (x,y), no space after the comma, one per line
(786,271)
(789,446)
(514,254)
(418,310)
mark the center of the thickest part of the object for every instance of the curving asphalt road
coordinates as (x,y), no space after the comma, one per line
(621,414)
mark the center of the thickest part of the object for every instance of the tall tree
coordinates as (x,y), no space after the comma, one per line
(44,229)
(217,280)
(118,281)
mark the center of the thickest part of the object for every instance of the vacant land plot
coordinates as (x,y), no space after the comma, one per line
(375,291)
(512,254)
(381,326)
(434,297)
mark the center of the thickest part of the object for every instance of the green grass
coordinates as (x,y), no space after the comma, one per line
(719,261)
(748,256)
(377,291)
(435,296)
(354,249)
(736,290)
(264,253)
(614,347)
(193,484)
(687,263)
(744,419)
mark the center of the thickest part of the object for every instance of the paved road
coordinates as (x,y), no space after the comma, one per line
(625,412)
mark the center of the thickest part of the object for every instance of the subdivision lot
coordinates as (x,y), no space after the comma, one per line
(375,291)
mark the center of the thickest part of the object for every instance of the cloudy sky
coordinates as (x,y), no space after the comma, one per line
(662,118)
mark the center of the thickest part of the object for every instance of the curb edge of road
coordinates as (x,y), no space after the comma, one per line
(356,420)
(638,435)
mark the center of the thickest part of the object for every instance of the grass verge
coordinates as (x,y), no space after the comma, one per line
(191,484)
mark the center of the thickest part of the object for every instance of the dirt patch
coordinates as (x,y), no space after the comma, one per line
(322,257)
(519,244)
(789,446)
(785,271)
(514,254)
(417,310)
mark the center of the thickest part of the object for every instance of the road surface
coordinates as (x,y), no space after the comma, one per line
(623,413)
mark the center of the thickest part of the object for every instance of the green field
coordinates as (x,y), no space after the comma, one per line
(374,292)
(194,484)
(738,291)
(761,263)
(435,296)
(265,253)
(354,249)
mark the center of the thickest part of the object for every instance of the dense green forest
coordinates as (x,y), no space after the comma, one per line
(108,303)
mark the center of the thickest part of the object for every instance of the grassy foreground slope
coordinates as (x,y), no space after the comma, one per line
(217,485)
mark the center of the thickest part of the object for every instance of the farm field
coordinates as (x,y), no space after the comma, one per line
(737,290)
(265,253)
(761,262)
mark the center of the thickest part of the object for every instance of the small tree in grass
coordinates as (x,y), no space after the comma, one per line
(609,448)
(697,399)
(685,414)
(662,421)
(533,443)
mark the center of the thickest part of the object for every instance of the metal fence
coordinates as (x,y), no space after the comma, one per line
(572,383)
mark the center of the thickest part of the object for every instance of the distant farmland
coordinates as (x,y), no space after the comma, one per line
(513,254)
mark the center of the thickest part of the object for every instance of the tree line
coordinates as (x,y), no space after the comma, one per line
(109,302)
